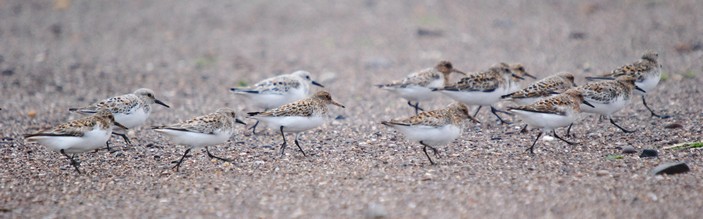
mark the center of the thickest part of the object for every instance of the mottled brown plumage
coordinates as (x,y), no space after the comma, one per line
(553,84)
(314,105)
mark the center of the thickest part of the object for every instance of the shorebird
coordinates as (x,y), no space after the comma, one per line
(433,128)
(418,86)
(297,117)
(202,131)
(130,110)
(77,136)
(482,88)
(648,73)
(276,91)
(552,112)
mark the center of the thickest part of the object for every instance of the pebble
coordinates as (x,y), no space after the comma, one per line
(649,153)
(376,211)
(671,168)
(602,173)
(628,149)
(673,126)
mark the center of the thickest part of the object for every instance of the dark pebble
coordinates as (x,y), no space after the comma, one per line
(671,168)
(673,126)
(8,72)
(340,117)
(629,150)
(649,153)
(428,33)
(577,35)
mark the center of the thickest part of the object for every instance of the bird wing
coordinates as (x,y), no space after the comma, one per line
(475,82)
(114,104)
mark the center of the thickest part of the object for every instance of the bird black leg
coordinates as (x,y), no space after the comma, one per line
(424,148)
(652,111)
(74,163)
(296,143)
(124,136)
(621,128)
(107,144)
(479,109)
(568,130)
(524,129)
(531,149)
(557,136)
(496,111)
(216,157)
(283,146)
(416,106)
(253,128)
(178,165)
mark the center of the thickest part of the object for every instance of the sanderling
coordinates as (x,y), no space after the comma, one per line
(548,86)
(433,128)
(130,110)
(551,113)
(297,117)
(647,71)
(276,91)
(482,88)
(520,71)
(202,131)
(418,86)
(77,136)
(608,97)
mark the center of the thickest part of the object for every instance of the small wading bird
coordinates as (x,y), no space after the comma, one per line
(483,88)
(276,91)
(648,73)
(297,117)
(433,128)
(418,86)
(77,136)
(608,97)
(551,113)
(130,110)
(202,131)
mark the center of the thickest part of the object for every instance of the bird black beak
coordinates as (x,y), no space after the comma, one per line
(317,84)
(529,75)
(239,121)
(161,103)
(458,72)
(518,77)
(588,104)
(640,89)
(119,125)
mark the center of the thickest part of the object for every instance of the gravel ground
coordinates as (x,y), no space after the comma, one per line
(61,54)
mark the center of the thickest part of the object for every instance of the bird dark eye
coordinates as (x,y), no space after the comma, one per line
(307,77)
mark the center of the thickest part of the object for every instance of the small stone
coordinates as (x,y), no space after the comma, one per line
(376,211)
(8,72)
(628,149)
(649,153)
(577,35)
(671,168)
(32,114)
(673,126)
(428,33)
(602,173)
